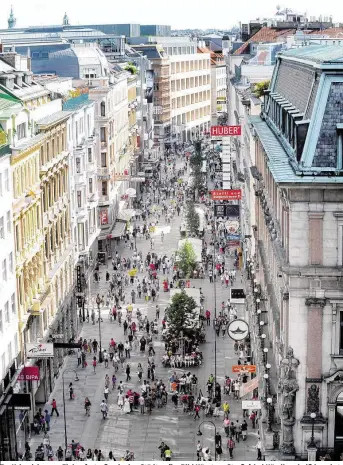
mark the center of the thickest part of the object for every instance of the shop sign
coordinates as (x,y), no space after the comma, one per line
(79,284)
(243,368)
(238,329)
(232,211)
(249,386)
(226,131)
(104,217)
(220,211)
(226,194)
(29,374)
(237,296)
(234,237)
(39,350)
(251,404)
(233,228)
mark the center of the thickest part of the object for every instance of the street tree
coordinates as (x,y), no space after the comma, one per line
(193,220)
(183,318)
(186,259)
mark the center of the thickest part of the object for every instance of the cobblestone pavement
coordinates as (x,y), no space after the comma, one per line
(142,434)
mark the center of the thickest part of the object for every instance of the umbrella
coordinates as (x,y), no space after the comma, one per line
(131,192)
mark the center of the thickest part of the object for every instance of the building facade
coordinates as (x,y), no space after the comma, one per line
(295,261)
(83,148)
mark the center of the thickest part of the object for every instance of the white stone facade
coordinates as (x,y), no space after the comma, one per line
(9,346)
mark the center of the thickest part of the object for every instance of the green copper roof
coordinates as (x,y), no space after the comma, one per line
(316,53)
(278,161)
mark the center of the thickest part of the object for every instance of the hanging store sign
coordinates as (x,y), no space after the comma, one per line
(227,194)
(238,329)
(126,177)
(232,211)
(243,368)
(251,404)
(39,350)
(220,211)
(237,296)
(29,374)
(226,131)
(249,386)
(79,284)
(104,217)
(233,228)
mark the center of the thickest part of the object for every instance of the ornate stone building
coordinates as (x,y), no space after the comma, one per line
(295,254)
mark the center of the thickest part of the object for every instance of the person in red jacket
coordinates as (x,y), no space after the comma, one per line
(54,408)
(208,317)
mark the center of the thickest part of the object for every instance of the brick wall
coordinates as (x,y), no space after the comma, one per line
(326,151)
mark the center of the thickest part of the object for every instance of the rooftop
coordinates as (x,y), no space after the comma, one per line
(265,34)
(316,53)
(54,118)
(278,161)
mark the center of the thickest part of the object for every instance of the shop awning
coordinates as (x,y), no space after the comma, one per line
(118,230)
(126,215)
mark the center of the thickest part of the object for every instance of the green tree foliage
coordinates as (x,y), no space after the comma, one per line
(186,259)
(192,217)
(182,316)
(131,68)
(261,87)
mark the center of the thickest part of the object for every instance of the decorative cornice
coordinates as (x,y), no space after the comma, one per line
(315,302)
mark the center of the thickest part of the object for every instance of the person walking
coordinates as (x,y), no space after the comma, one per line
(71,391)
(231,446)
(141,403)
(196,410)
(128,371)
(54,407)
(94,364)
(106,392)
(104,409)
(127,349)
(105,357)
(258,448)
(199,451)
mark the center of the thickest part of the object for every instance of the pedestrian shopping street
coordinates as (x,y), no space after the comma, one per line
(143,433)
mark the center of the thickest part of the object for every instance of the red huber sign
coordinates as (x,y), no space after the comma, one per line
(226,131)
(227,194)
(246,368)
(29,374)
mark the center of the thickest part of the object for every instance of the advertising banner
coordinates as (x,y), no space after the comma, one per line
(246,368)
(226,131)
(104,217)
(39,350)
(149,91)
(251,404)
(232,211)
(29,374)
(227,194)
(248,387)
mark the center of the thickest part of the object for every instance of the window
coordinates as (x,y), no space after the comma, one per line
(90,185)
(2,228)
(6,181)
(21,131)
(78,165)
(102,109)
(4,270)
(1,323)
(7,312)
(102,134)
(79,199)
(0,184)
(10,262)
(104,188)
(9,226)
(103,160)
(90,155)
(13,305)
(9,350)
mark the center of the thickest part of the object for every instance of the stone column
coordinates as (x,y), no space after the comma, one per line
(331,424)
(314,336)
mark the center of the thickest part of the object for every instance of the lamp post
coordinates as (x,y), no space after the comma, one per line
(313,418)
(64,407)
(199,433)
(269,415)
(100,348)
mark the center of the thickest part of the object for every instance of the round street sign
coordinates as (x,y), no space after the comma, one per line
(238,330)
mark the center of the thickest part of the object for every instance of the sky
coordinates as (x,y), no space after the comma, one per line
(202,14)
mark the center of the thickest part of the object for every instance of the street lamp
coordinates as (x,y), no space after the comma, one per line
(269,413)
(199,433)
(313,418)
(100,348)
(64,407)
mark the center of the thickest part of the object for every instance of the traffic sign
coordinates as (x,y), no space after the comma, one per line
(226,131)
(246,368)
(226,194)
